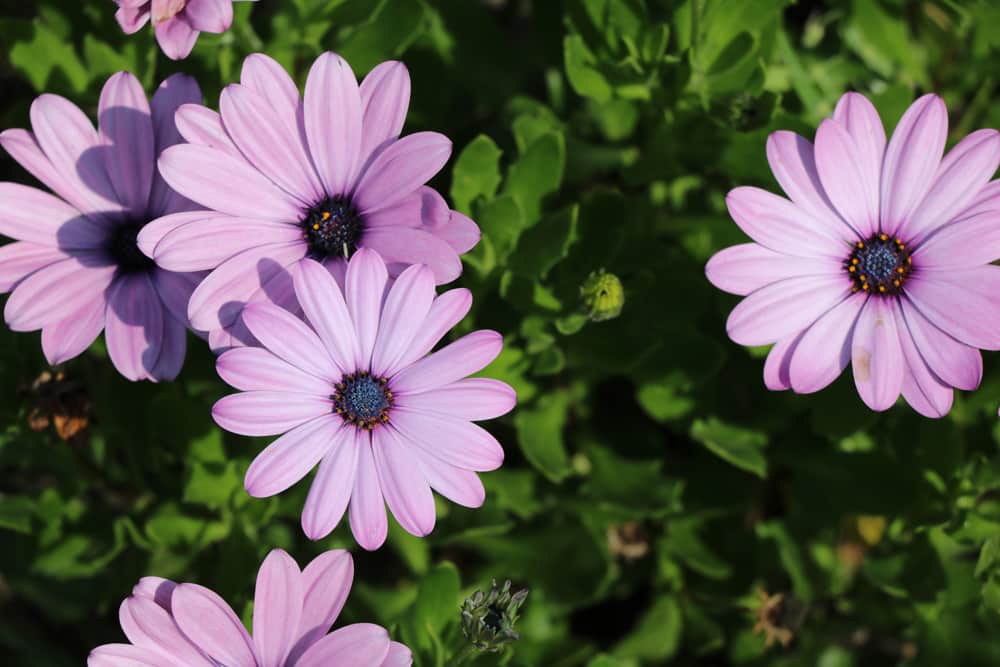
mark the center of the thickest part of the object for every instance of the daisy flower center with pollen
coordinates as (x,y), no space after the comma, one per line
(363,400)
(332,228)
(879,265)
(125,251)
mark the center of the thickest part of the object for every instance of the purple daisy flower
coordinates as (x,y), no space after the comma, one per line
(881,258)
(75,268)
(359,395)
(171,624)
(176,22)
(286,178)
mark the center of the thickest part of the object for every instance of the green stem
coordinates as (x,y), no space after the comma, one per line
(468,652)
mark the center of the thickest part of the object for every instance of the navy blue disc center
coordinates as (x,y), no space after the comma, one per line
(879,260)
(124,249)
(332,228)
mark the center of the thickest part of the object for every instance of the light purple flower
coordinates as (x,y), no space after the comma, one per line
(288,178)
(358,394)
(187,625)
(76,268)
(176,22)
(881,258)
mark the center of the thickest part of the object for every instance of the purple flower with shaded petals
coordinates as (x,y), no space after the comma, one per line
(358,394)
(75,268)
(176,22)
(286,178)
(170,624)
(881,258)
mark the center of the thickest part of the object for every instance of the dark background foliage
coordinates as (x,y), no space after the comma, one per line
(661,505)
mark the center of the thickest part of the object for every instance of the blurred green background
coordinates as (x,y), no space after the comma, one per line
(661,506)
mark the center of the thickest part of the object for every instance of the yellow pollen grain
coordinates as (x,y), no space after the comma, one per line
(316,226)
(852,268)
(855,260)
(326,215)
(861,244)
(881,288)
(896,283)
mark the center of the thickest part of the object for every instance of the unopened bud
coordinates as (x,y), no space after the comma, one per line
(603,295)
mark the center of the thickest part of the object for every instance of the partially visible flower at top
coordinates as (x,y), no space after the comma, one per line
(358,394)
(176,22)
(881,258)
(76,268)
(187,625)
(288,178)
(488,619)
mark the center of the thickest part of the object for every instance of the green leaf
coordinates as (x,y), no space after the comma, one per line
(740,446)
(546,244)
(501,222)
(476,173)
(438,600)
(540,433)
(658,634)
(537,174)
(583,76)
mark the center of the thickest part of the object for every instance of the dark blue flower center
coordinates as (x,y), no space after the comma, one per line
(332,228)
(362,399)
(879,265)
(125,251)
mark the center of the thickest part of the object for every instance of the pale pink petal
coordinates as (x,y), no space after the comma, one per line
(406,307)
(963,173)
(148,625)
(206,242)
(257,369)
(29,214)
(175,91)
(209,15)
(401,169)
(785,307)
(333,122)
(134,326)
(455,441)
(847,176)
(45,296)
(472,398)
(912,160)
(399,656)
(967,242)
(858,116)
(69,337)
(745,268)
(289,458)
(260,133)
(456,484)
(126,655)
(212,626)
(176,37)
(331,489)
(132,19)
(364,288)
(154,231)
(290,338)
(277,608)
(218,301)
(126,128)
(201,126)
(20,260)
(268,78)
(876,356)
(222,182)
(448,309)
(403,485)
(956,363)
(964,303)
(324,306)
(793,163)
(172,350)
(923,390)
(327,582)
(268,412)
(157,589)
(358,645)
(385,98)
(467,355)
(368,519)
(460,232)
(825,349)
(415,246)
(777,366)
(778,224)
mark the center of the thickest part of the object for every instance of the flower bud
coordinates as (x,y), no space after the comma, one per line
(603,295)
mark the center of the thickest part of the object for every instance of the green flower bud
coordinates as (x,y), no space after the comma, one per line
(488,619)
(603,295)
